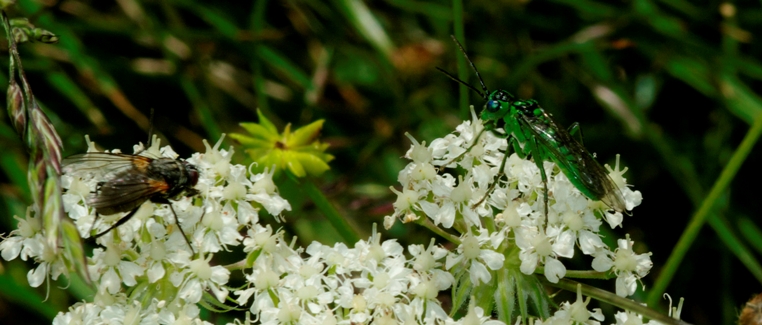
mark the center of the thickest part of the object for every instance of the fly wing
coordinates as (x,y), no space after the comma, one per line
(125,191)
(103,165)
(575,161)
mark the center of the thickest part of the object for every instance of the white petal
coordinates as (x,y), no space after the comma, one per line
(244,295)
(110,281)
(614,219)
(128,271)
(554,270)
(589,242)
(274,204)
(445,215)
(469,215)
(602,263)
(452,259)
(37,276)
(176,278)
(191,291)
(479,273)
(220,292)
(220,275)
(493,259)
(625,284)
(564,245)
(11,247)
(429,208)
(156,272)
(528,262)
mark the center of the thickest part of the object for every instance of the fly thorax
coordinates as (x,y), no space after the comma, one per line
(528,108)
(172,172)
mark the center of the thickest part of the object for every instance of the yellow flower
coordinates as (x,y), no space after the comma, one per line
(299,151)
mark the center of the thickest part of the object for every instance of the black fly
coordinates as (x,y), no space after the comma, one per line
(130,180)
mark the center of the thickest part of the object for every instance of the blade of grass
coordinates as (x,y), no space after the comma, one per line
(698,219)
(338,221)
(367,25)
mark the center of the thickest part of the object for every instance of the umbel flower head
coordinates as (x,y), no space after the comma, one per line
(300,151)
(146,258)
(145,272)
(509,227)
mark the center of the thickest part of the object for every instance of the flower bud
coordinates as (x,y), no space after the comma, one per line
(16,108)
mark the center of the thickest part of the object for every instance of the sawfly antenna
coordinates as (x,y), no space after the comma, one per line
(462,50)
(462,82)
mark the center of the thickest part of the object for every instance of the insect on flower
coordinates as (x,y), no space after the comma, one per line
(128,181)
(532,131)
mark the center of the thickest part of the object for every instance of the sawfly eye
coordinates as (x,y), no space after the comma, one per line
(493,105)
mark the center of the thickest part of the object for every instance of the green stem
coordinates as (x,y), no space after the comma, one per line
(735,245)
(613,299)
(581,274)
(699,218)
(424,221)
(341,225)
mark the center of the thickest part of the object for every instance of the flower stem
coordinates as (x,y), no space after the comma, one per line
(613,299)
(699,218)
(581,274)
(439,231)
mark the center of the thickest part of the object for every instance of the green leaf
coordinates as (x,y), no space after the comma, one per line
(266,123)
(484,296)
(305,135)
(74,249)
(249,141)
(536,294)
(505,295)
(313,164)
(462,288)
(260,131)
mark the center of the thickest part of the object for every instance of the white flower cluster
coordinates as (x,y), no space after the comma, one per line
(144,270)
(146,273)
(371,283)
(512,216)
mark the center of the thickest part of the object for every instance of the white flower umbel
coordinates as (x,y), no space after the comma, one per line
(146,258)
(146,273)
(512,215)
(575,313)
(628,266)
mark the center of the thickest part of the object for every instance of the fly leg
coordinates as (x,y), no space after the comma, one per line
(476,140)
(576,132)
(544,184)
(117,224)
(531,146)
(177,222)
(538,158)
(511,142)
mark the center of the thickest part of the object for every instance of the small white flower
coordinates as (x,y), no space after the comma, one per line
(199,277)
(537,248)
(576,313)
(470,253)
(111,270)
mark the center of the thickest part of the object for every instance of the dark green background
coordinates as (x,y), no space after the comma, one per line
(687,78)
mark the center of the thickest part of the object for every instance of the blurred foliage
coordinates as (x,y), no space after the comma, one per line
(671,85)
